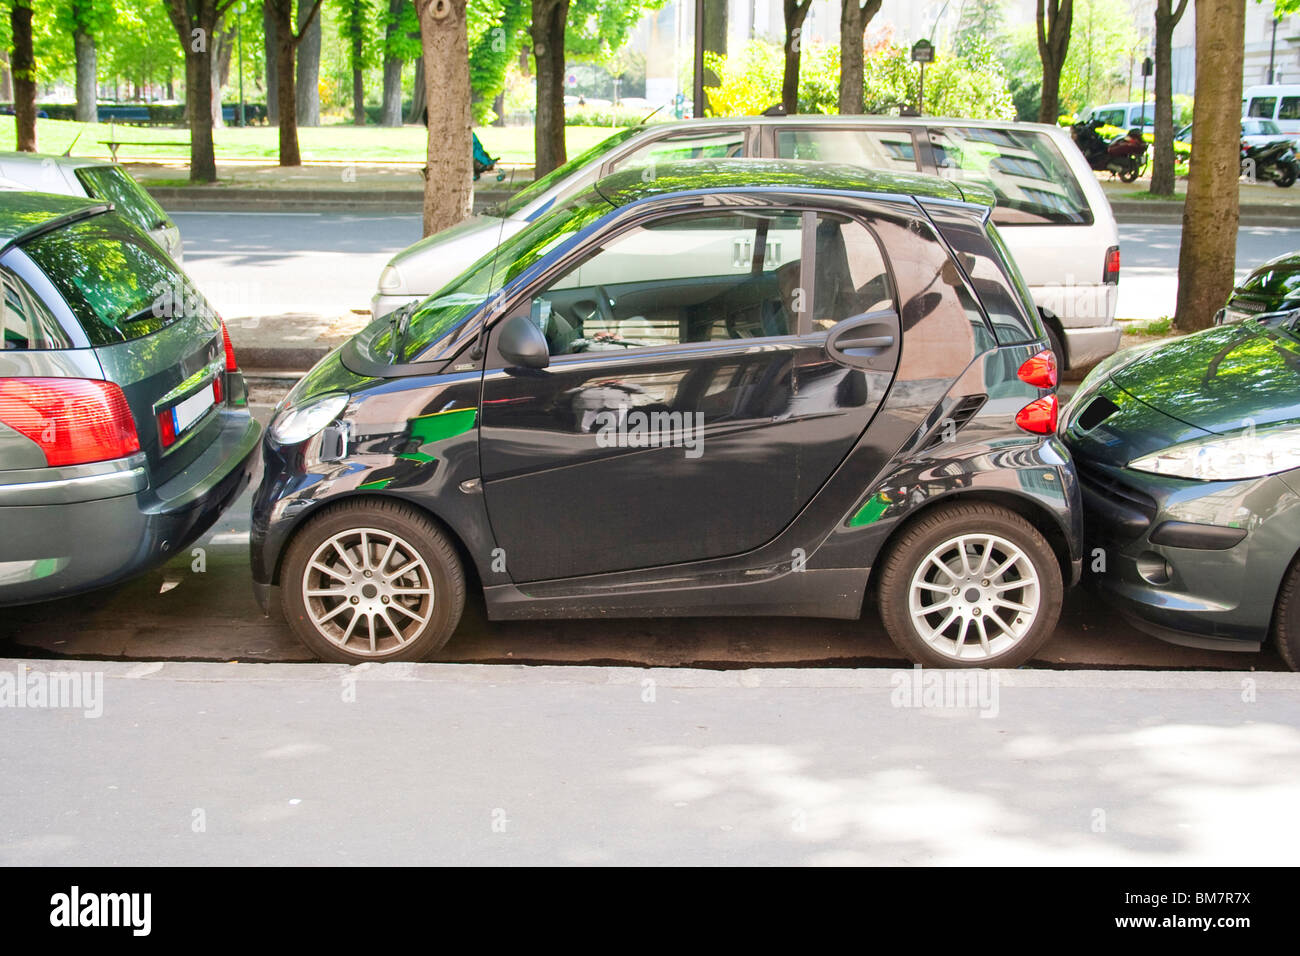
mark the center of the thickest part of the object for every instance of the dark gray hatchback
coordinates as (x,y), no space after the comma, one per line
(124,429)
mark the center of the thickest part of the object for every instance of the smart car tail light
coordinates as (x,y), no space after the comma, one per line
(73,420)
(1039,371)
(1039,416)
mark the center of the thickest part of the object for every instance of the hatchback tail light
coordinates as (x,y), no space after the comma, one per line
(232,365)
(73,420)
(1110,271)
(1039,416)
(1040,370)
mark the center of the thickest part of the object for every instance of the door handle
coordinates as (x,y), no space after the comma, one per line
(865,342)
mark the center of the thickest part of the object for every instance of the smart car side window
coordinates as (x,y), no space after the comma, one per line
(851,274)
(689,278)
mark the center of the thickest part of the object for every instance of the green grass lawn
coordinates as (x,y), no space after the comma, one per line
(339,143)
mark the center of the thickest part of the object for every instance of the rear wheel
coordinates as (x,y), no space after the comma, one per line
(1286,176)
(372,581)
(970,585)
(1286,618)
(1131,171)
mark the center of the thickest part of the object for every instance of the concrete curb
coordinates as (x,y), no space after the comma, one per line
(680,677)
(1161,212)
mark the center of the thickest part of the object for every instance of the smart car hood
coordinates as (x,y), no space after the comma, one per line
(1221,379)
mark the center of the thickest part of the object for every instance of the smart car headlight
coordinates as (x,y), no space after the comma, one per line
(294,425)
(1250,453)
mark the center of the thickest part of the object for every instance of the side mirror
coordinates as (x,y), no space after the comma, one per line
(521,343)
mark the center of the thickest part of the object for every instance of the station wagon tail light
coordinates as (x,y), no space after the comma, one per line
(74,420)
(1039,371)
(1039,416)
(232,364)
(1110,271)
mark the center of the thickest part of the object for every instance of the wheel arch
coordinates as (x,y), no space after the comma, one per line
(1035,513)
(468,565)
(1053,322)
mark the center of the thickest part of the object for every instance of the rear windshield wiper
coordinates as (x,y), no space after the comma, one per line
(399,322)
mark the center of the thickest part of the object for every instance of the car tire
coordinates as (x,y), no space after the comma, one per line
(1020,593)
(1056,345)
(1286,618)
(401,586)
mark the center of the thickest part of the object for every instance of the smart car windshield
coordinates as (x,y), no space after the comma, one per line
(519,200)
(440,319)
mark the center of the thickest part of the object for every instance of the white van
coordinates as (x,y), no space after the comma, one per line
(1051,210)
(1124,115)
(1279,102)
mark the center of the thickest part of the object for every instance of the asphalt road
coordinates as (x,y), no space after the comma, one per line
(1148,285)
(189,764)
(252,264)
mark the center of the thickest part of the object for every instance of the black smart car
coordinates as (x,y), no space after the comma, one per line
(124,430)
(1270,293)
(707,388)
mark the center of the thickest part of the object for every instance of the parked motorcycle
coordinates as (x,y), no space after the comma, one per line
(1124,156)
(1273,162)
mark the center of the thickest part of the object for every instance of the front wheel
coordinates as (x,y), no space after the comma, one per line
(970,585)
(372,581)
(1286,618)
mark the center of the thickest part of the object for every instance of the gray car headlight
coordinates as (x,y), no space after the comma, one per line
(390,280)
(1249,454)
(294,425)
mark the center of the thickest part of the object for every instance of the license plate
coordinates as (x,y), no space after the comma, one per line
(188,412)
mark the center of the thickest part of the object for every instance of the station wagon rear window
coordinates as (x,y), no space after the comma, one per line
(114,278)
(112,184)
(1029,177)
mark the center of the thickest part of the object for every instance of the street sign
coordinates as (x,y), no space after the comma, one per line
(1148,67)
(923,52)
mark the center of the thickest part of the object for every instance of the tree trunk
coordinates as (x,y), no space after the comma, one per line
(1162,163)
(285,93)
(6,78)
(417,94)
(1210,215)
(1053,21)
(87,107)
(715,36)
(24,70)
(308,81)
(547,33)
(391,110)
(854,20)
(499,109)
(223,46)
(448,187)
(358,81)
(271,51)
(795,12)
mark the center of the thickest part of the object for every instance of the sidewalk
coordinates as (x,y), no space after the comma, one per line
(318,187)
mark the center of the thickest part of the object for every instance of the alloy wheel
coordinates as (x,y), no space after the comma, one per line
(368,591)
(974,597)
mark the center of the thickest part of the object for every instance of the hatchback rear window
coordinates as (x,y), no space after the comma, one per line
(1027,174)
(1272,280)
(116,281)
(112,184)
